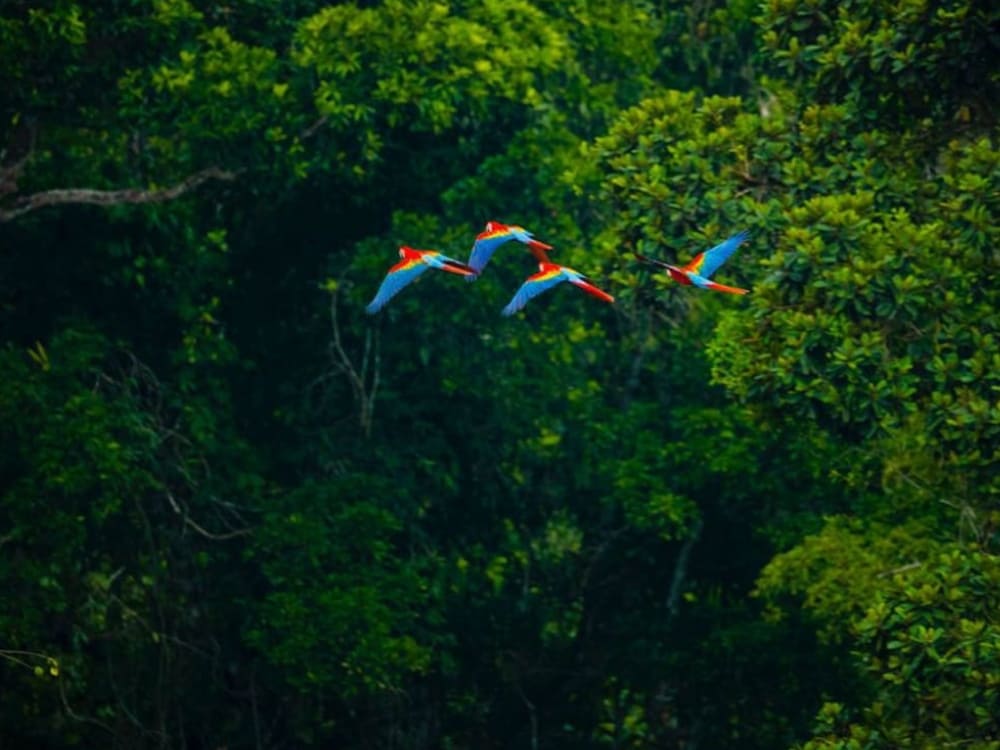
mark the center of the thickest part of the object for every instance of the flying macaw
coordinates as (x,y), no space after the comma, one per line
(495,235)
(550,274)
(703,265)
(414,263)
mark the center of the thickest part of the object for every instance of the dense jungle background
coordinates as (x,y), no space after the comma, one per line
(238,512)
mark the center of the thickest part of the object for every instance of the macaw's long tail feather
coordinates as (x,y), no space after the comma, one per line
(594,291)
(539,252)
(723,288)
(652,261)
(456,266)
(538,244)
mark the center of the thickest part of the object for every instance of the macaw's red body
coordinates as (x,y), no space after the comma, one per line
(550,274)
(496,234)
(412,265)
(703,265)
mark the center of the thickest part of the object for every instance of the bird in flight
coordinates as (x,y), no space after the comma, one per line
(413,263)
(497,234)
(699,271)
(550,274)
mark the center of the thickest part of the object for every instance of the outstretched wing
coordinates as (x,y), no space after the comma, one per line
(485,245)
(706,263)
(531,288)
(497,234)
(399,276)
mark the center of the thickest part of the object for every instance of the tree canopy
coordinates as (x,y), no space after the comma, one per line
(237,511)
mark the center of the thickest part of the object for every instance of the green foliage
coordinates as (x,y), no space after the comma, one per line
(421,59)
(929,642)
(873,317)
(846,325)
(340,605)
(707,46)
(853,329)
(102,577)
(881,55)
(837,572)
(237,511)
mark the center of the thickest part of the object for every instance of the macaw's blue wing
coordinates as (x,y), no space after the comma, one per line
(706,263)
(399,276)
(484,247)
(531,288)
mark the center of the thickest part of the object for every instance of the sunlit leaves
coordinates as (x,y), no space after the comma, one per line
(171,12)
(930,643)
(419,60)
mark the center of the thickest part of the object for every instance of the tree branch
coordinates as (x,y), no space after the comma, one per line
(22,146)
(900,569)
(200,529)
(10,174)
(111,197)
(532,715)
(364,394)
(680,569)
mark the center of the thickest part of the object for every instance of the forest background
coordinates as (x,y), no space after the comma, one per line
(237,512)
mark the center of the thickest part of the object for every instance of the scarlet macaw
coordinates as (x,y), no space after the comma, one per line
(548,276)
(414,263)
(495,235)
(703,265)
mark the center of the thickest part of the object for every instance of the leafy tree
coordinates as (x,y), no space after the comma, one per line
(271,520)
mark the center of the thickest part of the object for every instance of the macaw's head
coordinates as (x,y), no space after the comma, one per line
(494,226)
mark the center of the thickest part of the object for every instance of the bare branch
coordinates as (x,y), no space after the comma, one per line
(374,387)
(363,393)
(900,569)
(680,570)
(9,175)
(311,130)
(77,717)
(200,529)
(111,197)
(18,151)
(532,714)
(645,336)
(13,655)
